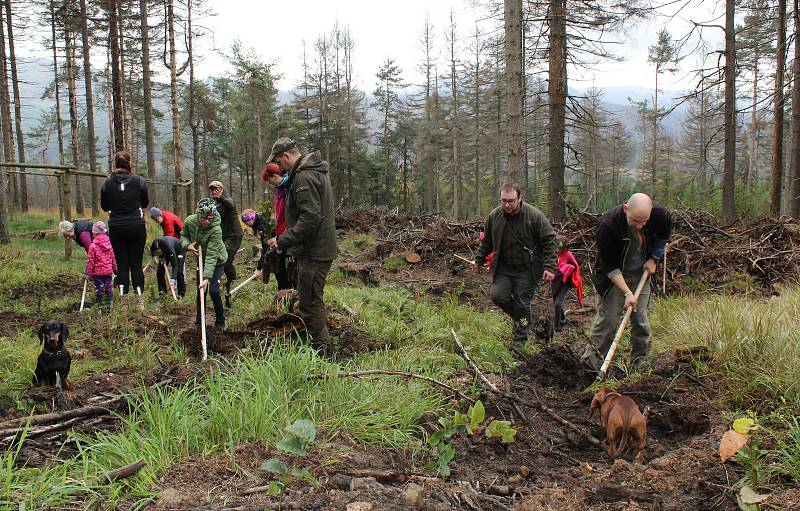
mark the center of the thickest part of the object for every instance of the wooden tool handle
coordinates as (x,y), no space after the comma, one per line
(628,312)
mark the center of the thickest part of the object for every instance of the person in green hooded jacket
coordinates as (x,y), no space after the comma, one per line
(203,230)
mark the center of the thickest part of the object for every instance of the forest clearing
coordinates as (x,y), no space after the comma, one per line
(205,430)
(453,255)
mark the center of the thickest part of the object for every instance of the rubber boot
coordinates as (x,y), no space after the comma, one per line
(228,294)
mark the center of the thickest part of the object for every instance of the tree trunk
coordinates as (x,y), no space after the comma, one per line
(87,80)
(7,126)
(116,79)
(752,167)
(729,176)
(655,138)
(514,89)
(110,111)
(777,136)
(73,118)
(56,92)
(176,132)
(794,151)
(427,194)
(148,99)
(455,128)
(477,125)
(194,123)
(557,92)
(23,183)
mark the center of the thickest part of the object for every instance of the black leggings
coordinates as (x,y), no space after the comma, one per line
(128,243)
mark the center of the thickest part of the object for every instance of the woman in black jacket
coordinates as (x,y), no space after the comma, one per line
(124,197)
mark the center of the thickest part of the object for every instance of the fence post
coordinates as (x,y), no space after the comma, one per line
(67,209)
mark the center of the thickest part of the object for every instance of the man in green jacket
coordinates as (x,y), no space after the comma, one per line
(524,247)
(203,230)
(310,235)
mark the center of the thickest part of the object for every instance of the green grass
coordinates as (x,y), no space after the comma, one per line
(756,341)
(252,401)
(393,316)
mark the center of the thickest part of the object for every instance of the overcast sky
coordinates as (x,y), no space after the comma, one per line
(392,29)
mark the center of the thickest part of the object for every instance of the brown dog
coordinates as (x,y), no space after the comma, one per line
(622,420)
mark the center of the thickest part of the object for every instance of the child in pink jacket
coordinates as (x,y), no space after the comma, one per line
(101,265)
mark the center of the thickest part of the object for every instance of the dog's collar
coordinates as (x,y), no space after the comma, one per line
(54,354)
(608,396)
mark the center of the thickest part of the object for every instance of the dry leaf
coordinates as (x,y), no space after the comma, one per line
(730,444)
(749,496)
(586,468)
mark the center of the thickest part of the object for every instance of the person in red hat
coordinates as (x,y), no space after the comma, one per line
(285,273)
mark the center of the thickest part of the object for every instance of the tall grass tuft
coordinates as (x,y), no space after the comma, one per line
(757,342)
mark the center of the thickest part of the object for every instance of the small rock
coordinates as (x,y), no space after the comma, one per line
(364,483)
(341,481)
(412,495)
(170,498)
(359,506)
(501,490)
(515,479)
(524,471)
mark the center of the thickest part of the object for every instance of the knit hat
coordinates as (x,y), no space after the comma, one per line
(270,169)
(65,226)
(155,213)
(248,215)
(99,227)
(206,208)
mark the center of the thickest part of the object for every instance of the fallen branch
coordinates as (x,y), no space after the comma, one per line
(46,418)
(525,402)
(403,374)
(118,473)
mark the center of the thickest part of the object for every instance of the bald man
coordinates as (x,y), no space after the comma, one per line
(630,241)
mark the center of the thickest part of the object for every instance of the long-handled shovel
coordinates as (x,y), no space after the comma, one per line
(613,349)
(83,296)
(202,301)
(240,286)
(169,281)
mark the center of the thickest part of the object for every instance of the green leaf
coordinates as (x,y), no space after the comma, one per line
(305,474)
(459,419)
(304,429)
(447,454)
(476,413)
(275,488)
(292,445)
(744,425)
(509,435)
(275,466)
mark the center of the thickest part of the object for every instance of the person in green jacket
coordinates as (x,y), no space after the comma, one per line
(203,229)
(524,247)
(310,235)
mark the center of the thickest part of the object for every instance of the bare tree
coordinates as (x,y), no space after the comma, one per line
(69,47)
(777,120)
(147,96)
(514,90)
(557,95)
(23,184)
(177,154)
(729,174)
(794,151)
(116,78)
(87,80)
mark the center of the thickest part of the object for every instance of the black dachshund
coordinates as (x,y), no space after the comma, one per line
(54,358)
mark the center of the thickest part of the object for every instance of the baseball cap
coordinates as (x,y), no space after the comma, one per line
(281,145)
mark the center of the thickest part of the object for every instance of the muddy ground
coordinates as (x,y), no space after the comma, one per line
(547,467)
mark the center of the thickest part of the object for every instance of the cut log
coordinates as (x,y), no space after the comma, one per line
(413,257)
(46,418)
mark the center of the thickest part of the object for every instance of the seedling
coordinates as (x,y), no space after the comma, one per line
(469,423)
(298,438)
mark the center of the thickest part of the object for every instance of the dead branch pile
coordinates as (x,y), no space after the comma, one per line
(755,256)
